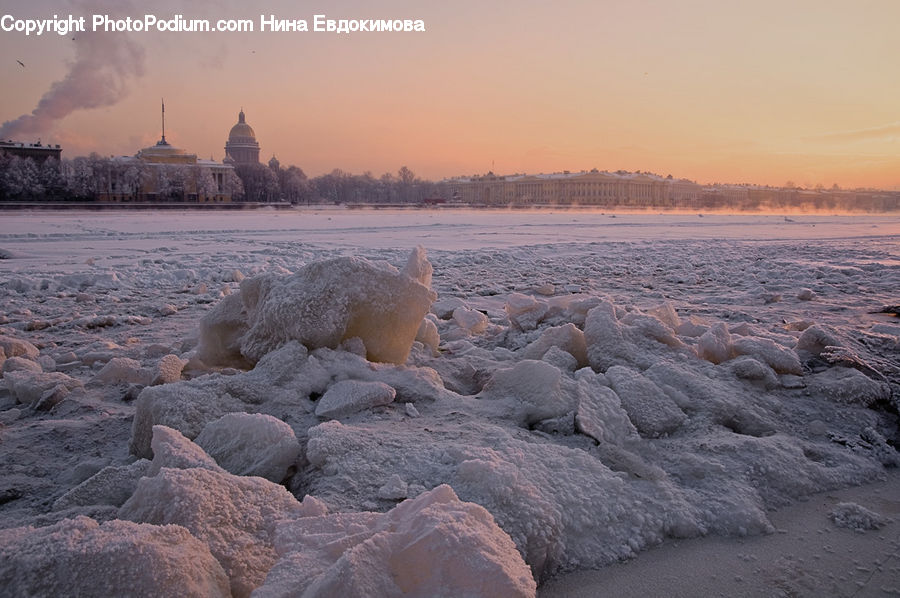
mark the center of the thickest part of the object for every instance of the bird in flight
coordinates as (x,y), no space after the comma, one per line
(22,64)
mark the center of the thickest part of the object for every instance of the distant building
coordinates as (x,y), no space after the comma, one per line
(37,152)
(242,146)
(165,173)
(593,188)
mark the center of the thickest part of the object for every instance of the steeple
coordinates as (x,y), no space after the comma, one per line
(163,140)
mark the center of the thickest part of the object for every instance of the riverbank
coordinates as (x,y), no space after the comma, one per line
(102,206)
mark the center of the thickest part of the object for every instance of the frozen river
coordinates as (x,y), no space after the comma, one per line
(601,383)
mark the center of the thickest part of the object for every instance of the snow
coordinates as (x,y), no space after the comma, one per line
(321,305)
(578,389)
(112,485)
(568,338)
(394,554)
(15,347)
(14,364)
(168,369)
(856,517)
(350,396)
(122,370)
(233,515)
(79,557)
(251,444)
(37,388)
(470,320)
(808,555)
(172,450)
(651,411)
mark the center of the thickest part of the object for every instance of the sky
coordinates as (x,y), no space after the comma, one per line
(757,91)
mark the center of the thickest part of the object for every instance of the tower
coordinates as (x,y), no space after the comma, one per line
(242,146)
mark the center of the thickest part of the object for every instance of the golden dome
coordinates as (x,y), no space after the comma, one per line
(164,152)
(241,131)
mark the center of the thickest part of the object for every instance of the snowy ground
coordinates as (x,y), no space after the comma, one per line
(602,383)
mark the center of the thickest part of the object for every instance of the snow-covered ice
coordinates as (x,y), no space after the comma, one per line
(306,402)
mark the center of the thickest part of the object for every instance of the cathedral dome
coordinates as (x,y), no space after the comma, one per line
(242,146)
(241,131)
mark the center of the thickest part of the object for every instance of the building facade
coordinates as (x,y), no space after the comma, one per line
(165,173)
(36,151)
(588,188)
(242,146)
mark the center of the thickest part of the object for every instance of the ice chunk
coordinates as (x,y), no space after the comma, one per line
(171,449)
(566,337)
(606,343)
(351,396)
(470,320)
(183,406)
(651,327)
(856,517)
(651,411)
(18,364)
(251,444)
(394,489)
(666,314)
(412,383)
(693,327)
(428,335)
(232,514)
(532,391)
(110,486)
(233,276)
(525,312)
(780,359)
(168,369)
(444,308)
(221,331)
(847,385)
(123,370)
(433,545)
(79,557)
(31,387)
(561,359)
(715,344)
(82,281)
(600,416)
(815,339)
(16,347)
(320,305)
(419,268)
(47,363)
(750,369)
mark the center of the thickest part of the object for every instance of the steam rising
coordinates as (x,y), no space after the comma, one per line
(99,76)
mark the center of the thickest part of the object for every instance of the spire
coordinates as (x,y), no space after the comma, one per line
(163,140)
(241,115)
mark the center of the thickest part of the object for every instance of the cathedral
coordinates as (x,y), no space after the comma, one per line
(242,146)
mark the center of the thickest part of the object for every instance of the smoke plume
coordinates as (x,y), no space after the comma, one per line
(99,76)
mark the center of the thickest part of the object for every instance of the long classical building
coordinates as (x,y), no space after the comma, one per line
(645,190)
(165,173)
(242,146)
(589,188)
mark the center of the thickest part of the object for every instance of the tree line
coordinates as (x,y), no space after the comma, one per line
(88,178)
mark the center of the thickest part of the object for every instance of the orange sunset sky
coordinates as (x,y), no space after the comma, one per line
(759,91)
